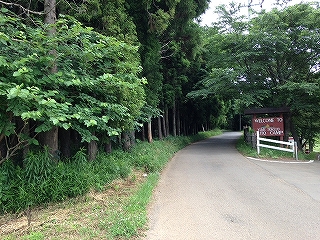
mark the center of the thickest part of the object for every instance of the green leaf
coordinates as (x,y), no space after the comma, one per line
(4,10)
(13,92)
(16,74)
(55,121)
(43,127)
(35,115)
(66,126)
(113,133)
(3,61)
(105,119)
(33,141)
(90,123)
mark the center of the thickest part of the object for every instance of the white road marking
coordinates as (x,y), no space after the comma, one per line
(278,161)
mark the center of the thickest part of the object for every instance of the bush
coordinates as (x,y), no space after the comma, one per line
(42,180)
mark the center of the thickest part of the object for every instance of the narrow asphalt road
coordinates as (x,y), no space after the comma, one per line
(210,191)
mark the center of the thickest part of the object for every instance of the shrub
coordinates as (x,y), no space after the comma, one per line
(43,180)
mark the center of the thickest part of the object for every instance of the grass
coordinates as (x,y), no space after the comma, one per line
(317,145)
(247,150)
(117,210)
(134,215)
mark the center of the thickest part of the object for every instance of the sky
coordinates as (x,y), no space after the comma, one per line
(208,17)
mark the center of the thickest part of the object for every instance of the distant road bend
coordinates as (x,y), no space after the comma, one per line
(210,191)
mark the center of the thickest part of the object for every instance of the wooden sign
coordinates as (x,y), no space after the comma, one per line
(271,126)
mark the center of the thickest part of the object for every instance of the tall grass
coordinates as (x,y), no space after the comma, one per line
(247,150)
(132,217)
(42,181)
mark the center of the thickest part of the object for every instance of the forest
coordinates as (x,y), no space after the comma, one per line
(84,77)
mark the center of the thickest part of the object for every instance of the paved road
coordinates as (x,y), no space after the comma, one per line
(210,191)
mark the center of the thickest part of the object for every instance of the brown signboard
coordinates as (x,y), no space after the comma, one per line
(271,126)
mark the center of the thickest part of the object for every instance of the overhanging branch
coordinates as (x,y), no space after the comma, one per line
(21,7)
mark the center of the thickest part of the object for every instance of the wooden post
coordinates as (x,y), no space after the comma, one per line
(258,147)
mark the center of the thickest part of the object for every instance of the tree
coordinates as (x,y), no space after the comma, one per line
(108,17)
(181,49)
(151,19)
(268,66)
(95,91)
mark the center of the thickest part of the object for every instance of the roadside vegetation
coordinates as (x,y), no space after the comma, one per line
(247,150)
(77,199)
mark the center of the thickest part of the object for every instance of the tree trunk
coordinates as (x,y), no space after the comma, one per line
(159,129)
(132,139)
(311,145)
(163,120)
(295,135)
(184,127)
(75,139)
(26,131)
(125,140)
(174,121)
(143,133)
(287,123)
(108,147)
(167,121)
(178,122)
(149,131)
(65,142)
(92,150)
(50,139)
(51,18)
(50,14)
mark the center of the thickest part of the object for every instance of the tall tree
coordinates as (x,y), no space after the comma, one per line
(96,90)
(271,66)
(182,47)
(50,138)
(151,19)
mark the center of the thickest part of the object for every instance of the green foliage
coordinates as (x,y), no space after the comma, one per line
(150,16)
(34,236)
(168,42)
(108,17)
(150,157)
(230,20)
(134,215)
(260,65)
(42,180)
(247,150)
(182,63)
(96,88)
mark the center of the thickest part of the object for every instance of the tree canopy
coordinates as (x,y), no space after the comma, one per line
(272,62)
(96,88)
(97,70)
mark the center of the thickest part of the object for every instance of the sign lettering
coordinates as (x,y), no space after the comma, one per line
(272,126)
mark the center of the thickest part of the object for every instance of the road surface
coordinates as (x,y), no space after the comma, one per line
(210,191)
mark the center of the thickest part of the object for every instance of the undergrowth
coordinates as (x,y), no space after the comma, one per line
(247,150)
(41,181)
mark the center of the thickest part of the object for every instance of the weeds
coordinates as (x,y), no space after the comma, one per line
(23,188)
(247,150)
(133,215)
